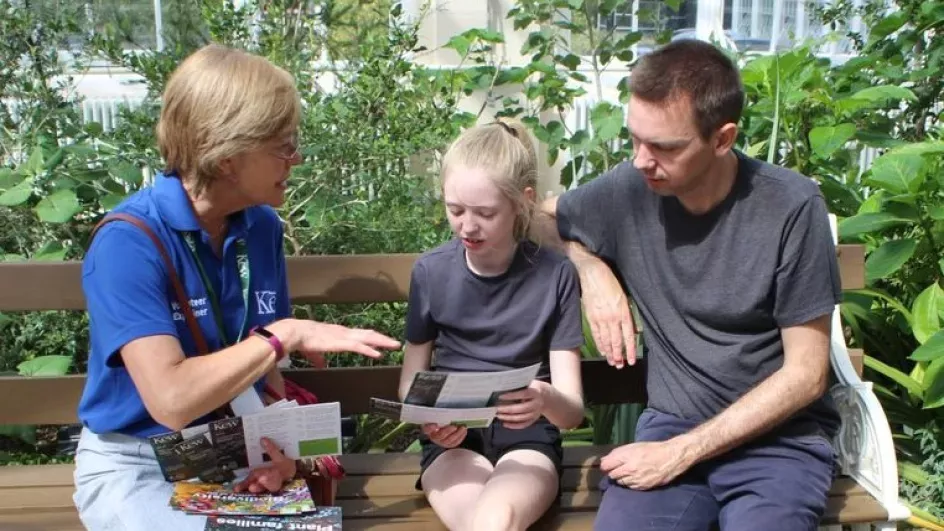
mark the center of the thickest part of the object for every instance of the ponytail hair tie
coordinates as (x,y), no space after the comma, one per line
(508,128)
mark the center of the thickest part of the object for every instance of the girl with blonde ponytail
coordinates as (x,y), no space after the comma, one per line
(492,300)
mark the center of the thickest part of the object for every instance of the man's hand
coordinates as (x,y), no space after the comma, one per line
(645,465)
(519,409)
(448,436)
(269,477)
(607,310)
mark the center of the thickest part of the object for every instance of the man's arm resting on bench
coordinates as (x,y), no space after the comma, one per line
(802,379)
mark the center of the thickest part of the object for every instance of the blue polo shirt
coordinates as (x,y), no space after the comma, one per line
(129,294)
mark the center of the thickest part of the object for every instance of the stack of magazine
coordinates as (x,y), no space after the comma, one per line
(290,509)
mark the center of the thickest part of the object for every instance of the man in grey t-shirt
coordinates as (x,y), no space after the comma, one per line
(731,264)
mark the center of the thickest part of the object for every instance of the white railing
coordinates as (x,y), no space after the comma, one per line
(106,111)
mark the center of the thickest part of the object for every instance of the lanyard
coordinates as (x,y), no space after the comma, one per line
(242,264)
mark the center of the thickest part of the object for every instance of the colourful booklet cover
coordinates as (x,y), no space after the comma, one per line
(215,499)
(323,519)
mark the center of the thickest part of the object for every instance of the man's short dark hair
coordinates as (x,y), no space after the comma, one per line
(695,70)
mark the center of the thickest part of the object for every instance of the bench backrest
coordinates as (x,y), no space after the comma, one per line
(32,286)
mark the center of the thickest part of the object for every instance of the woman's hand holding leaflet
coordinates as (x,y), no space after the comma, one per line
(271,476)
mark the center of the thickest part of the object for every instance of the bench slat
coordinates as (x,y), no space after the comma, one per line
(48,488)
(361,487)
(55,400)
(46,520)
(335,279)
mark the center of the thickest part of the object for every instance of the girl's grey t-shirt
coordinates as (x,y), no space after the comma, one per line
(714,290)
(494,323)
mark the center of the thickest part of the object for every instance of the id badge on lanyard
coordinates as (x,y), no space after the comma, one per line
(249,401)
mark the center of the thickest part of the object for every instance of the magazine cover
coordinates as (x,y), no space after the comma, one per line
(324,519)
(214,499)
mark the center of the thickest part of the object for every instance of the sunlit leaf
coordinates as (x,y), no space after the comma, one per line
(607,120)
(884,93)
(898,173)
(934,382)
(17,195)
(826,140)
(894,374)
(926,312)
(931,350)
(868,222)
(9,179)
(54,365)
(34,166)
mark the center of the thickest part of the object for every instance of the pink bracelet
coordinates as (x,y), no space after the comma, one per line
(272,340)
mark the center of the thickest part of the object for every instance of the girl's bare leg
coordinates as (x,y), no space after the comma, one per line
(454,483)
(519,491)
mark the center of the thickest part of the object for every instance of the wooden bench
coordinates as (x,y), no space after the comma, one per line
(379,493)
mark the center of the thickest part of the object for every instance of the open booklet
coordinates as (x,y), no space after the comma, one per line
(467,398)
(213,452)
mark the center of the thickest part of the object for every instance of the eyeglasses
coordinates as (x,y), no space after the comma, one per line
(289,150)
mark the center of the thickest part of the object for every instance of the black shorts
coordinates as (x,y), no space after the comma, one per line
(496,440)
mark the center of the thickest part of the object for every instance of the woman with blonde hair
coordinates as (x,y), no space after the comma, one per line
(491,300)
(186,291)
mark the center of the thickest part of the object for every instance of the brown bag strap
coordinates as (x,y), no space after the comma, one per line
(179,291)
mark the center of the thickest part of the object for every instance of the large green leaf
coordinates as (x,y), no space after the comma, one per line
(607,121)
(898,173)
(868,222)
(931,350)
(934,382)
(826,140)
(18,194)
(926,313)
(888,25)
(930,147)
(50,252)
(894,374)
(45,366)
(34,166)
(936,212)
(58,207)
(884,93)
(9,179)
(873,203)
(889,258)
(459,43)
(127,172)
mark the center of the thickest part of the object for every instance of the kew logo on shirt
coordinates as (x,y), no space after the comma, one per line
(265,302)
(265,305)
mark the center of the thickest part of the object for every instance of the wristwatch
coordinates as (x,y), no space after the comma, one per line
(271,338)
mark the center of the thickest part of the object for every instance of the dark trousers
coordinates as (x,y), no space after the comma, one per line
(774,484)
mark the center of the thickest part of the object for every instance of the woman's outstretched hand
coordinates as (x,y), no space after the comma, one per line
(312,339)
